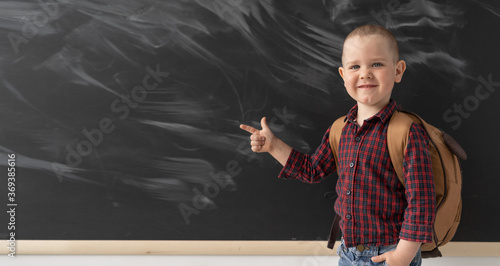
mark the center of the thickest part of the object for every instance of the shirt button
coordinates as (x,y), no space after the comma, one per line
(351,165)
(348,192)
(348,217)
(358,139)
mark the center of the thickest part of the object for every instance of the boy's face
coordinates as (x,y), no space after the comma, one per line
(369,69)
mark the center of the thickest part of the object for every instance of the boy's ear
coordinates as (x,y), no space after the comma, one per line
(400,69)
(341,72)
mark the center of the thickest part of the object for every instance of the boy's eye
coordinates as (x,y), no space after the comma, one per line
(355,67)
(377,64)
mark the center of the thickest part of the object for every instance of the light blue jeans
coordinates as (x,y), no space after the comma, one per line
(353,257)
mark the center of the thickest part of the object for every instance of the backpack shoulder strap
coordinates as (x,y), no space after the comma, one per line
(335,132)
(397,139)
(334,140)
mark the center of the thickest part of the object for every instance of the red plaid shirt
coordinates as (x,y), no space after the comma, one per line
(375,208)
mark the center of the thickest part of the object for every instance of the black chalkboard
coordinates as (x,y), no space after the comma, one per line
(123,116)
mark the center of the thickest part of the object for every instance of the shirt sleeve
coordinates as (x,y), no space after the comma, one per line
(310,168)
(417,170)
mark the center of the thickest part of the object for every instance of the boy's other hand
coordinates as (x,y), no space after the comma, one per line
(391,259)
(261,140)
(403,255)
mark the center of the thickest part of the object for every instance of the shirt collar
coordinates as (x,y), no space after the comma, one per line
(384,114)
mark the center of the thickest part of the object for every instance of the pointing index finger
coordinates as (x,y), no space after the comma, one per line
(249,129)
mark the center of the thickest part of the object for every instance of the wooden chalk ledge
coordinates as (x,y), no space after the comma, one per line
(174,247)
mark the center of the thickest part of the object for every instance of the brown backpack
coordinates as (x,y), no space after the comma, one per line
(444,152)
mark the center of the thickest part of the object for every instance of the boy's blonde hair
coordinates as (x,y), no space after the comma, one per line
(370,29)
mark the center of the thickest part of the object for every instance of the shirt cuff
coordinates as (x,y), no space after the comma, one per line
(416,232)
(287,172)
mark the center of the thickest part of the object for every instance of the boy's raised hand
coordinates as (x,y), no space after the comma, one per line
(260,140)
(263,140)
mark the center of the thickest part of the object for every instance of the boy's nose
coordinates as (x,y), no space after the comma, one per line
(366,75)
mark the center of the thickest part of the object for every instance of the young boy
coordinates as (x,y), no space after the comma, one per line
(382,222)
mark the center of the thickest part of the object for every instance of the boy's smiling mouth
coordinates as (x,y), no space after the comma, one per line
(367,86)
